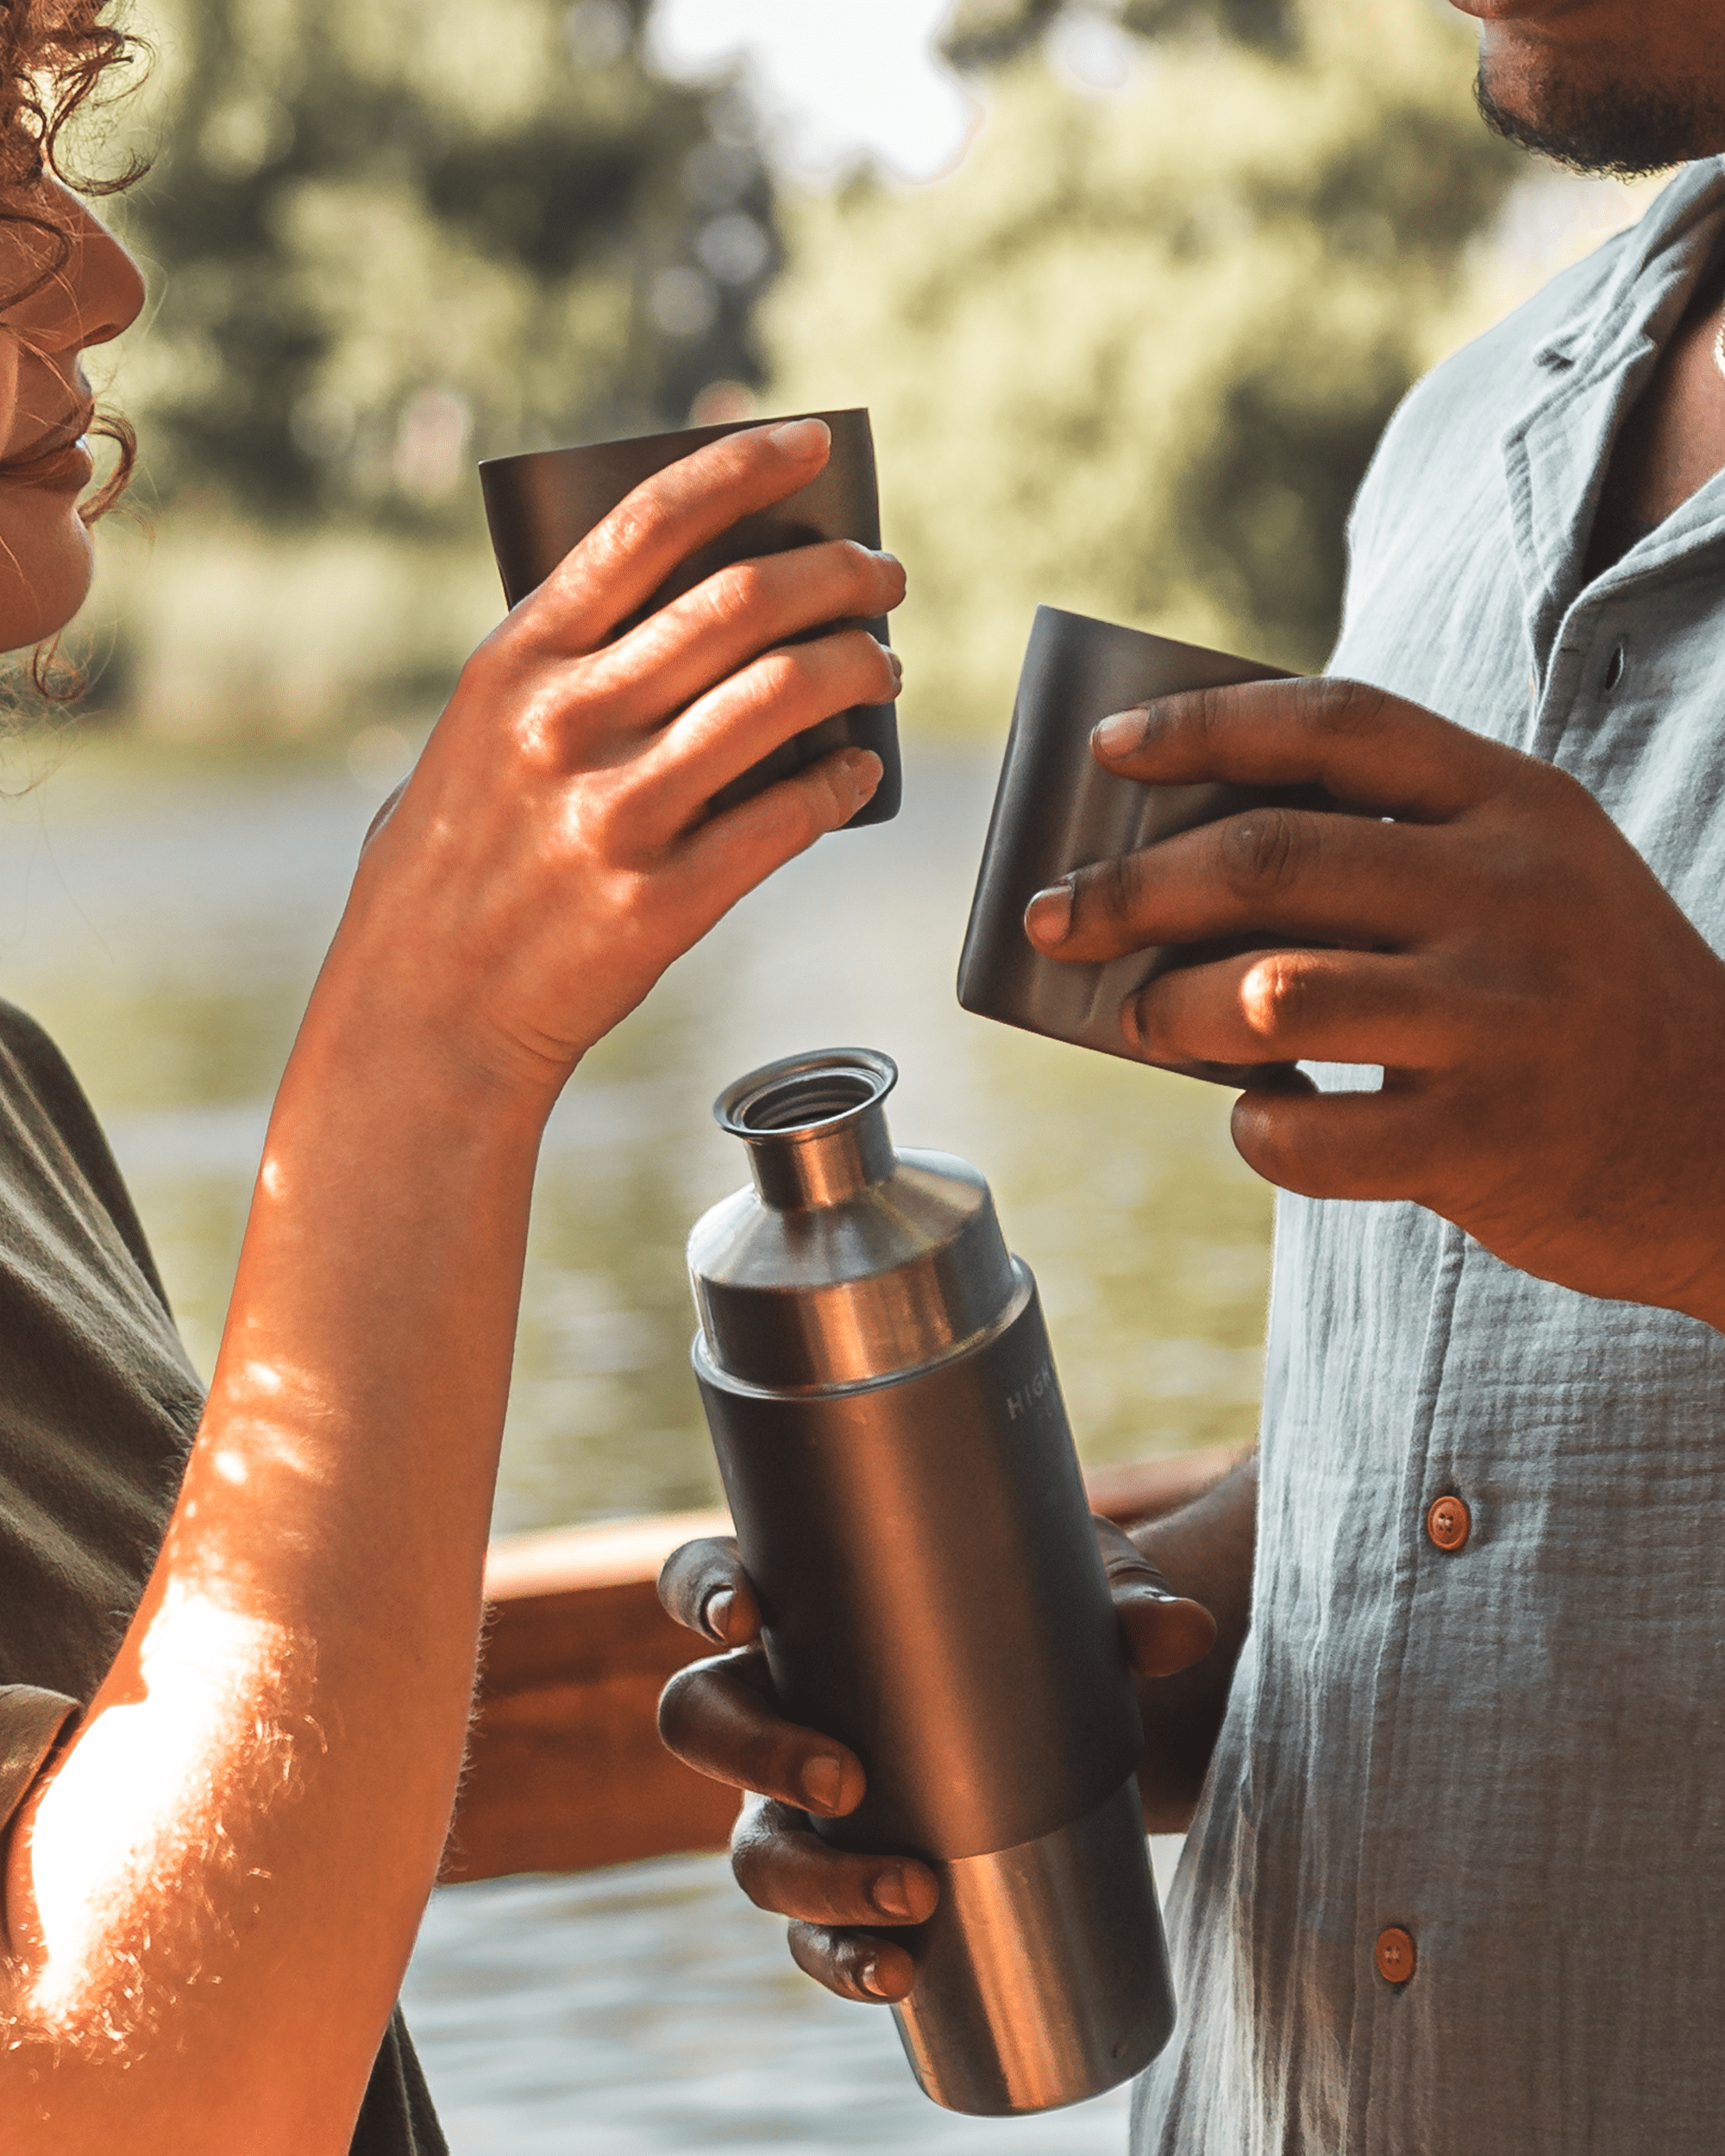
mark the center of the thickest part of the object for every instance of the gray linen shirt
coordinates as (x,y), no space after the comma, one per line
(1515,1752)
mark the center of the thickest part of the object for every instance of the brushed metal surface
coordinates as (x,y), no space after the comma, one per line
(890,1431)
(1042,1979)
(1057,810)
(846,1262)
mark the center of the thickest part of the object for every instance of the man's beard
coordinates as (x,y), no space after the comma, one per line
(1628,129)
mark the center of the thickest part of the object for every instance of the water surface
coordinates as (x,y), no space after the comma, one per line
(164,915)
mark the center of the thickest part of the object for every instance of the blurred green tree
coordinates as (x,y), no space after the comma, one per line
(386,239)
(1134,355)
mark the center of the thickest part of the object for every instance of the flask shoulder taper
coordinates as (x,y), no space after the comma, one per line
(907,1268)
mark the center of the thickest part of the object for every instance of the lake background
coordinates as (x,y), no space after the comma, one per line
(163,912)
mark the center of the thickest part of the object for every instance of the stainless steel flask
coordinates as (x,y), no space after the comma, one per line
(878,1383)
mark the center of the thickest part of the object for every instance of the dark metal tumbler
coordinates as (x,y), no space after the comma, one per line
(542,504)
(1057,809)
(878,1383)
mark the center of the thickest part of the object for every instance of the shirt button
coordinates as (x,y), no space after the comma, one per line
(1448,1522)
(1395,1955)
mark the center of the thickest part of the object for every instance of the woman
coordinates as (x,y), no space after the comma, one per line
(237,1637)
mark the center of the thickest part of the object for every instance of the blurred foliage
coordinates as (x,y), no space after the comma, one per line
(1133,357)
(388,238)
(984,33)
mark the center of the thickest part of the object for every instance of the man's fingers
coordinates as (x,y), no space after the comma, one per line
(624,560)
(782,1865)
(1374,1145)
(852,1964)
(716,1716)
(1274,872)
(1286,1007)
(1164,1631)
(1367,748)
(703,1585)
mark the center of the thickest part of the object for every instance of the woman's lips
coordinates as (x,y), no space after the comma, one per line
(63,464)
(1516,10)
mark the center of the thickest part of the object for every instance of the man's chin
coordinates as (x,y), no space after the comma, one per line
(1604,126)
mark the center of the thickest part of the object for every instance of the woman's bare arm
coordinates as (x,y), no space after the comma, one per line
(211,1898)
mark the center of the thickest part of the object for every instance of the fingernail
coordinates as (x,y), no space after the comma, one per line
(1121,730)
(802,438)
(890,1895)
(1049,915)
(716,1612)
(898,666)
(868,1976)
(859,773)
(823,1783)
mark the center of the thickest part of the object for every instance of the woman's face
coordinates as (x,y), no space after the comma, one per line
(44,551)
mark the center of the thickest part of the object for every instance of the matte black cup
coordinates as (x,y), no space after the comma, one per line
(542,504)
(1057,809)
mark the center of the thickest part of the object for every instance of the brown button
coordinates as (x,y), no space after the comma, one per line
(1448,1522)
(1395,1955)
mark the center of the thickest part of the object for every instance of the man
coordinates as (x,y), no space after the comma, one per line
(1449,1884)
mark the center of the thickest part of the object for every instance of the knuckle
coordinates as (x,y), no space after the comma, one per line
(1111,889)
(1265,850)
(633,527)
(736,591)
(1276,994)
(1343,709)
(753,1866)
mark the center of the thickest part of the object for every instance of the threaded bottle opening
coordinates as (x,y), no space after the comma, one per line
(803,1092)
(793,1103)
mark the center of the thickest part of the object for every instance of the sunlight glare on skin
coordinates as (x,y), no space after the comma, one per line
(202,1666)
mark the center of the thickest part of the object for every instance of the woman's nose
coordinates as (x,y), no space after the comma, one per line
(95,292)
(111,289)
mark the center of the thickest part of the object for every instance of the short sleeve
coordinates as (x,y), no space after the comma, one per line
(31,1721)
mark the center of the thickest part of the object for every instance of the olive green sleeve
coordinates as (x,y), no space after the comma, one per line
(31,1722)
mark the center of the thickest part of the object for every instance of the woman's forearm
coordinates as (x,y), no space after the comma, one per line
(211,1898)
(300,1670)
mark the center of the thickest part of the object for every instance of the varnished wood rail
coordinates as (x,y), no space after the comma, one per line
(565,1772)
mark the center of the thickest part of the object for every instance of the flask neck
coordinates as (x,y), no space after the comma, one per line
(815,1126)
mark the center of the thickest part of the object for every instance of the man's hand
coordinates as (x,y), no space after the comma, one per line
(718,1716)
(1551,1026)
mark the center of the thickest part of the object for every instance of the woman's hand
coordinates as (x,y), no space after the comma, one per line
(718,1716)
(551,854)
(1551,1026)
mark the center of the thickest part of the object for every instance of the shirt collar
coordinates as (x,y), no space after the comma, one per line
(1590,368)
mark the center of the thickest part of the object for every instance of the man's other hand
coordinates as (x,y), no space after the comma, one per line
(1549,1026)
(718,1716)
